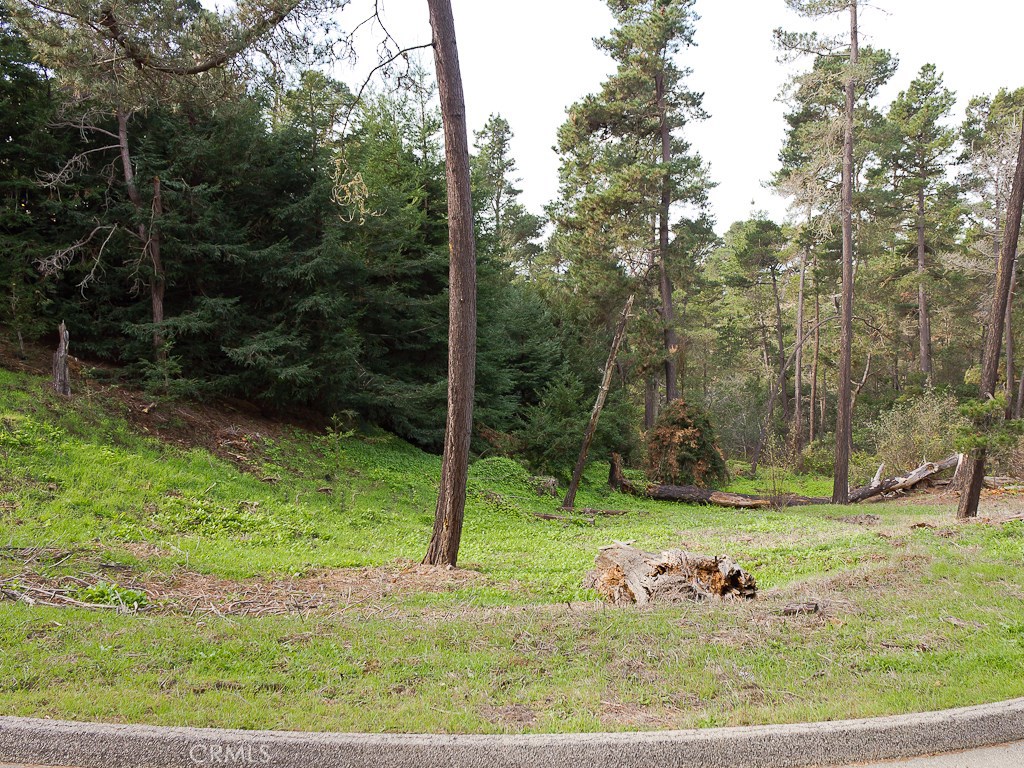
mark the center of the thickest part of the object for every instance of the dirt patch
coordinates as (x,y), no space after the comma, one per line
(860,519)
(621,713)
(188,592)
(514,715)
(332,589)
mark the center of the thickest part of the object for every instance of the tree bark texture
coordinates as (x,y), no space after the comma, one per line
(665,283)
(650,400)
(923,321)
(844,411)
(971,495)
(1009,388)
(926,471)
(812,405)
(780,346)
(451,498)
(625,575)
(148,236)
(798,366)
(61,373)
(595,413)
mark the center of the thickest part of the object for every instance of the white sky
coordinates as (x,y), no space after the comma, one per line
(530,59)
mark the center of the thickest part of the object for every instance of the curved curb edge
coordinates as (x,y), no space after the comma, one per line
(95,745)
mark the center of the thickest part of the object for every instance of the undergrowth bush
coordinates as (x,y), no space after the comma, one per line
(681,448)
(917,430)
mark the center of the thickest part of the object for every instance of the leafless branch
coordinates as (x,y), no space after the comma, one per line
(76,164)
(58,261)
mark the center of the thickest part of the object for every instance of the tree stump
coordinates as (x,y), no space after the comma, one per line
(623,574)
(61,375)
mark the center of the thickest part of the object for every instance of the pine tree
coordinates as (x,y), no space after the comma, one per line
(625,167)
(914,163)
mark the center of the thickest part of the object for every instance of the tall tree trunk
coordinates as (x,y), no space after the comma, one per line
(595,413)
(158,278)
(1008,387)
(924,324)
(773,395)
(766,352)
(1018,404)
(971,495)
(811,434)
(149,237)
(823,405)
(650,400)
(665,282)
(841,483)
(798,365)
(780,344)
(451,497)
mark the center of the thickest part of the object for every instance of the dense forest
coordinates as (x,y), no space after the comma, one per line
(271,234)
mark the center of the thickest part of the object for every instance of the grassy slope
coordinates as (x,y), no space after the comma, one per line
(914,620)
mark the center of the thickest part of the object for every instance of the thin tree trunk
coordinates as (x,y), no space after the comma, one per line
(773,396)
(150,238)
(923,321)
(665,283)
(158,279)
(766,353)
(798,365)
(841,483)
(1018,404)
(451,498)
(812,433)
(61,374)
(823,409)
(860,384)
(595,413)
(780,343)
(969,499)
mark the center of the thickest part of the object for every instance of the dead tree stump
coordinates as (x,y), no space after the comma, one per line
(624,574)
(61,375)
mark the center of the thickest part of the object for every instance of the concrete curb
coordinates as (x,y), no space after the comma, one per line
(91,745)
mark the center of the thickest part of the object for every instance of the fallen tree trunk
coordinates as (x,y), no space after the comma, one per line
(624,574)
(879,487)
(692,494)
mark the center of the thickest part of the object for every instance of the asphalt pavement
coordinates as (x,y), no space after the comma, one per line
(1006,756)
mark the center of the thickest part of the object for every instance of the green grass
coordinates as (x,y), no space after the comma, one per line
(914,619)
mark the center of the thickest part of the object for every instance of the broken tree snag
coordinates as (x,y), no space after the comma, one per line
(906,482)
(623,574)
(61,376)
(692,494)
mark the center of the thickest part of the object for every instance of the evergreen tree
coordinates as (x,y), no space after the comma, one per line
(914,163)
(625,167)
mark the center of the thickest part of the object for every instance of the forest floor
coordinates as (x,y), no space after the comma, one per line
(235,571)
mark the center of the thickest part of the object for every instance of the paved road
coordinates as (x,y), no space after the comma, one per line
(1007,756)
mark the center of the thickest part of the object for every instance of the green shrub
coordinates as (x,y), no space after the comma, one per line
(681,448)
(917,430)
(105,593)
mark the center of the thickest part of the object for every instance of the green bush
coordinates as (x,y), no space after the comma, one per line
(920,429)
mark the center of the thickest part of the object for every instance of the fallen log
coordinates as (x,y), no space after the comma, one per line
(623,574)
(879,487)
(692,494)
